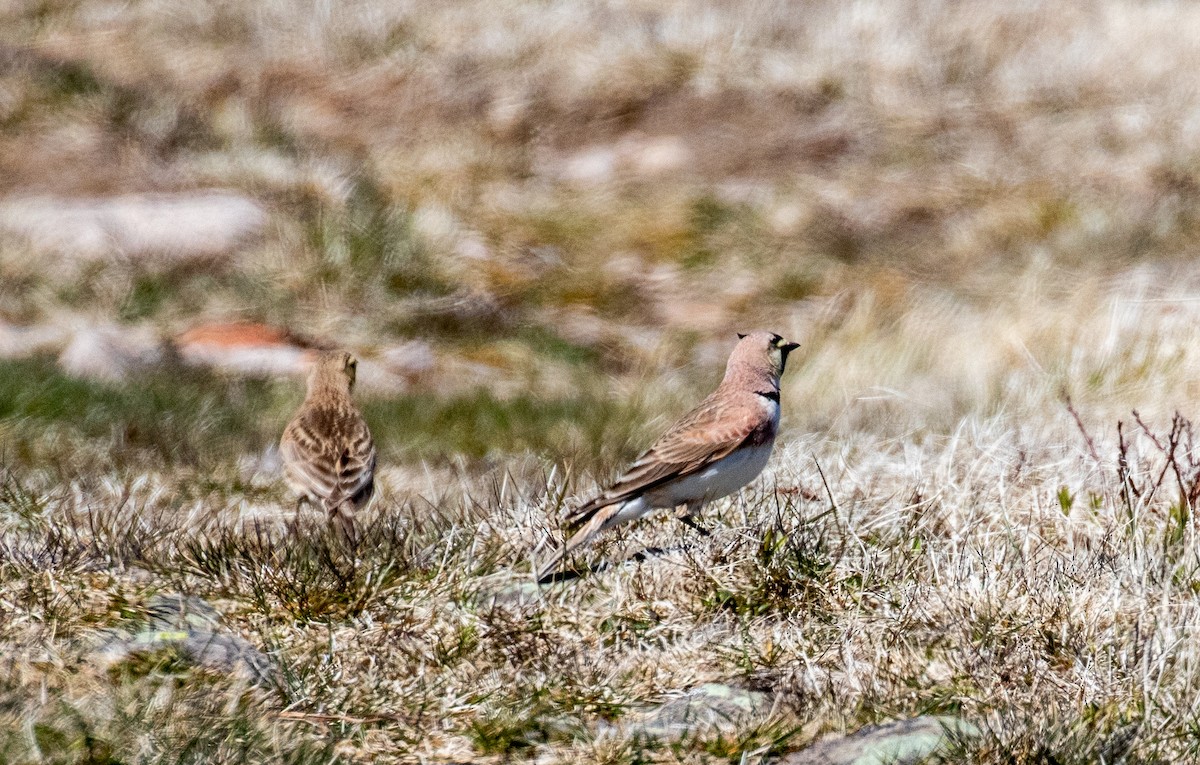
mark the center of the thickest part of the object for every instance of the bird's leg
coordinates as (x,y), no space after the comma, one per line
(689,515)
(344,520)
(294,524)
(690,522)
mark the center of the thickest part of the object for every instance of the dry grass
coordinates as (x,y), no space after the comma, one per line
(966,213)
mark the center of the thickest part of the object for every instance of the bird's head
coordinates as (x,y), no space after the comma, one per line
(763,350)
(333,369)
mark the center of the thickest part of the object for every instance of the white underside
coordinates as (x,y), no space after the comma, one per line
(719,479)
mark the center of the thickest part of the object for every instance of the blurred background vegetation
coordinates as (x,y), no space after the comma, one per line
(576,205)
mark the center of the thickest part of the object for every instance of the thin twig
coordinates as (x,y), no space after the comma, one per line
(1169,450)
(1087,437)
(1128,489)
(828,492)
(1149,433)
(1177,430)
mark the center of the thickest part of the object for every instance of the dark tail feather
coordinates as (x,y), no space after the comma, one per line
(585,526)
(545,574)
(584,513)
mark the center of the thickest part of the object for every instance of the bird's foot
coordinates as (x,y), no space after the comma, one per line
(691,523)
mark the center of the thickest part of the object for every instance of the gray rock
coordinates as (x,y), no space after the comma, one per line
(181,612)
(110,353)
(636,154)
(191,628)
(513,593)
(228,654)
(903,742)
(175,227)
(706,710)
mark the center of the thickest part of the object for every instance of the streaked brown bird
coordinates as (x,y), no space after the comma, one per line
(713,451)
(328,452)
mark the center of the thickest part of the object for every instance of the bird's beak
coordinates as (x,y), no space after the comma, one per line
(784,350)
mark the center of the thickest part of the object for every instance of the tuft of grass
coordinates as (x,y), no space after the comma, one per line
(367,243)
(310,573)
(519,726)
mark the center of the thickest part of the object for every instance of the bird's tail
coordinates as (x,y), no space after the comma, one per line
(341,513)
(545,574)
(596,522)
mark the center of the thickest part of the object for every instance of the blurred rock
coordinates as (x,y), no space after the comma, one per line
(176,611)
(411,359)
(259,349)
(652,156)
(19,342)
(788,218)
(580,325)
(904,742)
(244,348)
(189,226)
(435,223)
(520,593)
(378,379)
(228,654)
(263,468)
(111,353)
(595,165)
(636,154)
(507,114)
(273,172)
(706,710)
(472,247)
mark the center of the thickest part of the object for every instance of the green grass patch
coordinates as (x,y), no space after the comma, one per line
(187,416)
(176,415)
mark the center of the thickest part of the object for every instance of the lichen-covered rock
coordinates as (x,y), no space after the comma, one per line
(191,629)
(903,742)
(244,348)
(710,709)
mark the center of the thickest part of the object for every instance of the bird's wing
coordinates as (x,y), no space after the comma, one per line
(330,454)
(356,465)
(710,432)
(307,458)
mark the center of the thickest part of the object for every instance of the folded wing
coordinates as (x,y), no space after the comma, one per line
(710,432)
